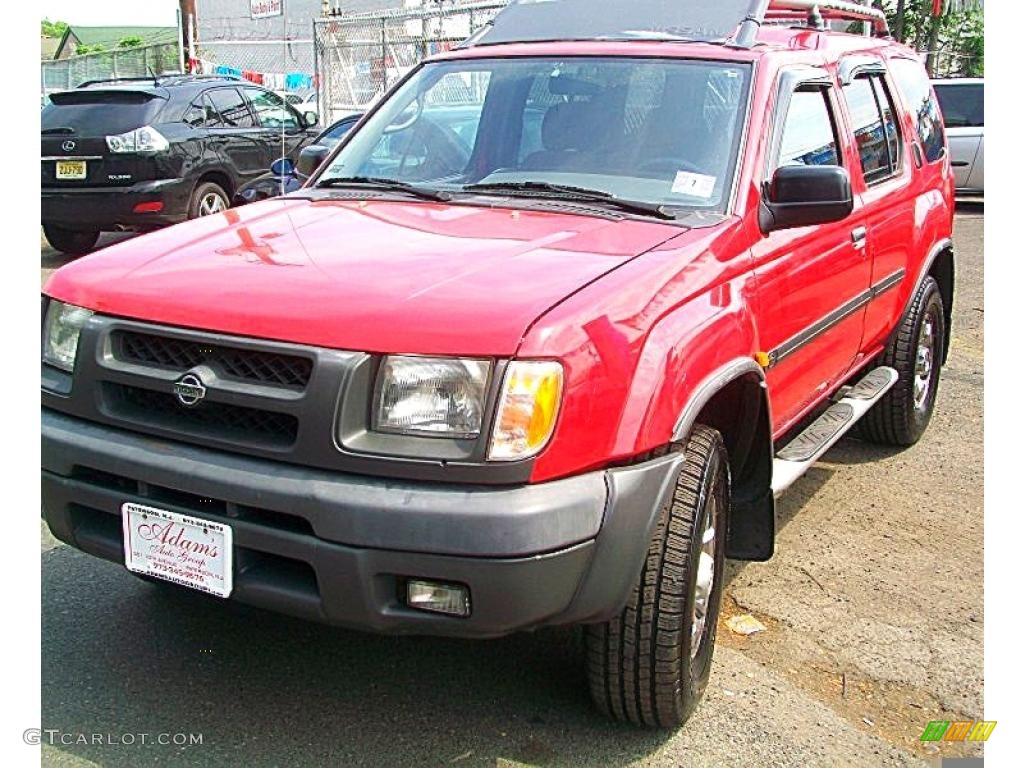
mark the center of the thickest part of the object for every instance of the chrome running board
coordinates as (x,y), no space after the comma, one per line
(805,449)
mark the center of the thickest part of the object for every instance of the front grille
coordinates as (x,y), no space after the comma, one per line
(249,365)
(219,421)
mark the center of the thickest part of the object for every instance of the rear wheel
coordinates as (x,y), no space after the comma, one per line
(70,241)
(207,199)
(650,665)
(902,415)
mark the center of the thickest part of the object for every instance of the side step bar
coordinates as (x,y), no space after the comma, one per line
(805,449)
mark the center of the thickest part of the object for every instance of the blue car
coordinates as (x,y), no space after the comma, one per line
(283,171)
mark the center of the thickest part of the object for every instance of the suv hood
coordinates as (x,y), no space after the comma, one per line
(374,276)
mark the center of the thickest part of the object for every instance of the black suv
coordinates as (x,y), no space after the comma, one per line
(142,153)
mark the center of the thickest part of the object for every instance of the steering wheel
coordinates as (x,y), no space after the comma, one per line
(447,156)
(668,164)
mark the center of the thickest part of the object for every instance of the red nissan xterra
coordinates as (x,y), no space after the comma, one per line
(538,344)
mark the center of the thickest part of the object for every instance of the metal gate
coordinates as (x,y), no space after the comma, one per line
(358,56)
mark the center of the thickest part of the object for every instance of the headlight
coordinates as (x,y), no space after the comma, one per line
(143,139)
(527,409)
(433,397)
(61,329)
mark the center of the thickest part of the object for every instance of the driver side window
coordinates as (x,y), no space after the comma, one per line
(809,132)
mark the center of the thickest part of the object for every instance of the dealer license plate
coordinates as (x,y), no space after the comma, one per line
(186,550)
(71,169)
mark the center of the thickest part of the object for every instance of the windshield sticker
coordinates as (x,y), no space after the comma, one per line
(694,185)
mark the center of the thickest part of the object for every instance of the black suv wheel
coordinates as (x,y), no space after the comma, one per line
(207,199)
(650,665)
(71,241)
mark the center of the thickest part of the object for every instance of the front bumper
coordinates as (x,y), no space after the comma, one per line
(109,208)
(338,548)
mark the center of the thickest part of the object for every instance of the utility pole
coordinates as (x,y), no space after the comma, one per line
(934,28)
(187,10)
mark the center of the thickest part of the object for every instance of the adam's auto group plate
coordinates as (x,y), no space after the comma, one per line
(185,550)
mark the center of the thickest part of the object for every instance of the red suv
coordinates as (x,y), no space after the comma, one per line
(539,343)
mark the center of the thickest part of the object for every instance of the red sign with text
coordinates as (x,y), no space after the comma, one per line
(262,9)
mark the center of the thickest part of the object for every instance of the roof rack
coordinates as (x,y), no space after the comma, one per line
(106,80)
(159,80)
(812,12)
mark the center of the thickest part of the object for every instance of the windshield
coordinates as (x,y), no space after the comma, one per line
(657,131)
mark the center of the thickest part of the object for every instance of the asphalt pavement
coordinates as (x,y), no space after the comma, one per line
(872,607)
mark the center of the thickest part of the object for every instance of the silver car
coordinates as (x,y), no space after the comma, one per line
(963,110)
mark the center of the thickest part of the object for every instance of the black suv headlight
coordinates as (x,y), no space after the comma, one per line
(61,329)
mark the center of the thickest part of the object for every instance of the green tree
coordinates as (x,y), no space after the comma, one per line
(54,28)
(133,41)
(82,50)
(953,41)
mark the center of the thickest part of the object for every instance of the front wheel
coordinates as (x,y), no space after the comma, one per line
(650,665)
(70,241)
(902,415)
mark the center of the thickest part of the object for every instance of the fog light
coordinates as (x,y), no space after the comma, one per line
(452,599)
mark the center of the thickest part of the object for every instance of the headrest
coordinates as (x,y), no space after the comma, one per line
(563,125)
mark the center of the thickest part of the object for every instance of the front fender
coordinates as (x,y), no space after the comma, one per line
(688,356)
(632,369)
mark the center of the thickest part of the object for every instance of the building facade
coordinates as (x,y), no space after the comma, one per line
(227,37)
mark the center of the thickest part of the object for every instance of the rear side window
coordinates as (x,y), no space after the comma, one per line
(201,114)
(808,133)
(916,90)
(874,127)
(100,113)
(233,110)
(963,105)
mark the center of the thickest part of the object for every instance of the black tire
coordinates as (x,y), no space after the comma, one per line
(902,415)
(204,192)
(639,664)
(70,241)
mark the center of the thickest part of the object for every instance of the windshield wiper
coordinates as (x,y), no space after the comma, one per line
(62,129)
(561,191)
(386,184)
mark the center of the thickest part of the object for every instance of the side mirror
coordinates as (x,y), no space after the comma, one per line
(283,166)
(802,195)
(310,159)
(310,117)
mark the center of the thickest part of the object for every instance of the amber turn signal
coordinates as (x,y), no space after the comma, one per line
(527,410)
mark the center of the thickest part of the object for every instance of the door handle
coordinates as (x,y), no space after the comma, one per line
(859,236)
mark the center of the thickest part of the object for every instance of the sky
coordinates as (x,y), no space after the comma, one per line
(99,13)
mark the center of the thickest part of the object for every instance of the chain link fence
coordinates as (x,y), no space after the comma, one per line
(143,61)
(358,56)
(276,64)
